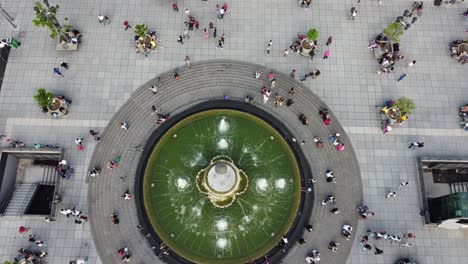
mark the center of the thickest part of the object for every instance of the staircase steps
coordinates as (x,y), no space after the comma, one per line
(20,199)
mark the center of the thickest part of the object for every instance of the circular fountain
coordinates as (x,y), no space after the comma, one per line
(221,186)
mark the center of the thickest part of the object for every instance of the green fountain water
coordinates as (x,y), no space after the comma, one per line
(227,156)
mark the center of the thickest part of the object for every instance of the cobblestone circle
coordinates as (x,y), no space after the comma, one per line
(205,81)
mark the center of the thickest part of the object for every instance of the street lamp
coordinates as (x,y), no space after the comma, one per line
(9,18)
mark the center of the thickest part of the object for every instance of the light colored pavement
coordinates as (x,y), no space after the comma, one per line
(105,71)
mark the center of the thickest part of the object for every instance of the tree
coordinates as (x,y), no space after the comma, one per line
(46,17)
(394,31)
(141,30)
(44,98)
(405,105)
(312,34)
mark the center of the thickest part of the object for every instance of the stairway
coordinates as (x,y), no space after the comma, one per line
(20,199)
(49,175)
(458,187)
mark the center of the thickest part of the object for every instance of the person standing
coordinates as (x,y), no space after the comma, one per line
(63,64)
(124,125)
(378,251)
(220,45)
(179,39)
(214,32)
(127,25)
(391,195)
(353,13)
(403,184)
(403,76)
(329,41)
(269,46)
(57,71)
(326,54)
(285,52)
(205,34)
(187,60)
(187,12)
(186,34)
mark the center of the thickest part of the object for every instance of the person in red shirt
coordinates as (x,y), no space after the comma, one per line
(127,25)
(23,230)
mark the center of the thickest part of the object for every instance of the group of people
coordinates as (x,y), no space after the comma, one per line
(401,240)
(64,169)
(79,217)
(146,44)
(459,50)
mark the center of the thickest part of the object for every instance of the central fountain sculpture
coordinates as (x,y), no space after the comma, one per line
(222,181)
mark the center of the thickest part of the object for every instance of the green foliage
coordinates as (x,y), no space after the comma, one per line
(312,34)
(41,21)
(6,262)
(141,30)
(43,97)
(405,105)
(394,31)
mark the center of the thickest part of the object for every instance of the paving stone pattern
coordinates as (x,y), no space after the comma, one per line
(105,71)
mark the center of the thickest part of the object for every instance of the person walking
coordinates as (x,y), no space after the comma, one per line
(127,25)
(326,54)
(403,184)
(414,20)
(292,75)
(214,32)
(220,45)
(23,230)
(391,195)
(353,13)
(416,144)
(314,75)
(63,65)
(186,34)
(285,52)
(410,64)
(205,34)
(57,71)
(175,8)
(12,42)
(187,60)
(179,39)
(103,19)
(403,76)
(329,41)
(269,46)
(124,125)
(187,12)
(154,89)
(378,251)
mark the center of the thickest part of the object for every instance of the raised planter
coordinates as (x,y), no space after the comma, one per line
(306,47)
(57,108)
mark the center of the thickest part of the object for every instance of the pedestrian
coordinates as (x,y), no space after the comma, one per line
(285,52)
(187,60)
(333,246)
(221,13)
(176,75)
(273,83)
(289,102)
(326,54)
(187,12)
(353,13)
(12,42)
(63,65)
(391,195)
(179,39)
(127,25)
(57,71)
(257,74)
(266,95)
(49,219)
(154,89)
(403,184)
(23,230)
(103,19)
(124,125)
(330,176)
(293,75)
(205,34)
(223,38)
(214,32)
(196,24)
(340,146)
(220,45)
(309,227)
(291,91)
(410,64)
(414,20)
(127,195)
(186,35)
(403,76)
(225,7)
(78,141)
(302,241)
(318,142)
(94,135)
(115,219)
(269,46)
(335,210)
(405,244)
(40,243)
(416,144)
(79,147)
(175,8)
(367,247)
(329,41)
(378,251)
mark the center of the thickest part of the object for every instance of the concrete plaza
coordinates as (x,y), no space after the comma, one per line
(106,70)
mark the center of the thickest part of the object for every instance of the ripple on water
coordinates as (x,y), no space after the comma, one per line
(182,184)
(280,184)
(223,144)
(221,243)
(262,185)
(223,126)
(221,225)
